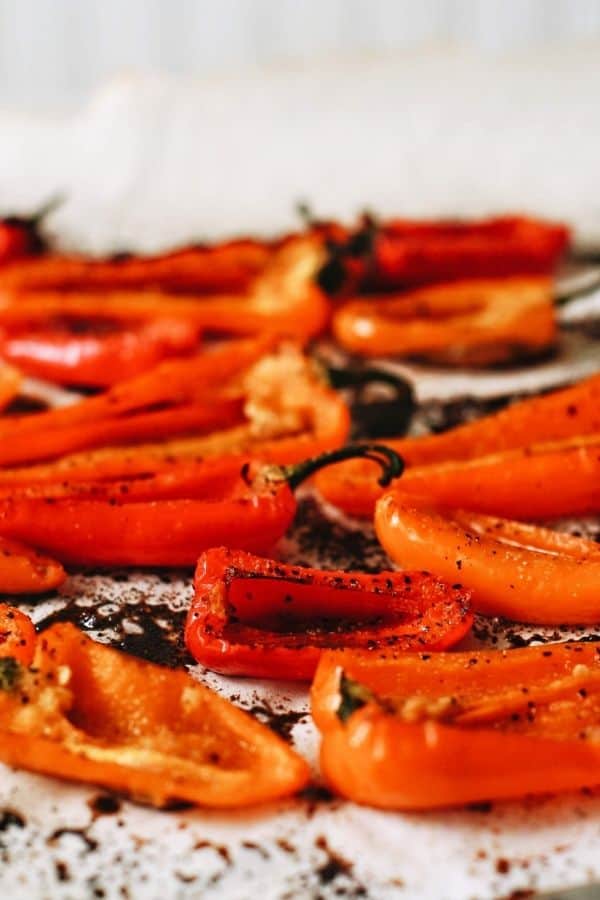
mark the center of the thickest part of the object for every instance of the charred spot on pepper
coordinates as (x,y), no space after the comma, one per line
(11,673)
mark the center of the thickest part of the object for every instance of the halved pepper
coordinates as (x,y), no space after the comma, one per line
(403,253)
(195,269)
(524,572)
(421,731)
(514,483)
(86,712)
(283,300)
(170,518)
(258,617)
(154,401)
(570,415)
(96,353)
(471,322)
(288,413)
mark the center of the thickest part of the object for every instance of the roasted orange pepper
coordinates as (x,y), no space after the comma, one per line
(284,300)
(520,571)
(196,269)
(289,413)
(17,638)
(419,731)
(473,322)
(570,416)
(96,353)
(514,483)
(169,399)
(24,571)
(258,617)
(95,715)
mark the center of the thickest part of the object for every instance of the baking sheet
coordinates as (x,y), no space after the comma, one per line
(68,842)
(138,171)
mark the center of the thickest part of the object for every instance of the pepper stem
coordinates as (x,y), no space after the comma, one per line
(49,206)
(391,463)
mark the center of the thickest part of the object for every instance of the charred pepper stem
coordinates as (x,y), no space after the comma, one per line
(391,463)
(375,418)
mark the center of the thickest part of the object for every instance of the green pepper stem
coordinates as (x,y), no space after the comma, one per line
(391,463)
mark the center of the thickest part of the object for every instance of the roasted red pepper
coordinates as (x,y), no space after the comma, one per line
(403,253)
(257,617)
(170,518)
(95,353)
(25,571)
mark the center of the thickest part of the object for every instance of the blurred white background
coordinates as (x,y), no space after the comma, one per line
(163,121)
(55,52)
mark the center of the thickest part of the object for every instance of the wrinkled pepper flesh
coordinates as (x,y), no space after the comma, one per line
(257,617)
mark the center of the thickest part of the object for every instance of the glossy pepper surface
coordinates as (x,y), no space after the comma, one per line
(470,322)
(96,715)
(420,731)
(520,571)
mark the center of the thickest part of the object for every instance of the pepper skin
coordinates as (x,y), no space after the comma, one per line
(17,636)
(25,571)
